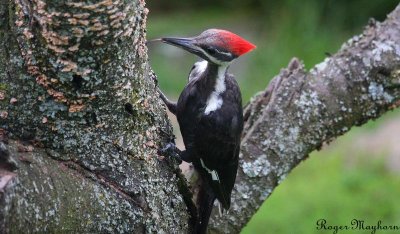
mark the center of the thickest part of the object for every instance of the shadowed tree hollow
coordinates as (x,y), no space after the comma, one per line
(81,121)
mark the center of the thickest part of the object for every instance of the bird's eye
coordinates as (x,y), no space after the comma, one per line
(211,51)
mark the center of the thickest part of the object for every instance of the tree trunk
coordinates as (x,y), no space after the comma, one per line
(81,122)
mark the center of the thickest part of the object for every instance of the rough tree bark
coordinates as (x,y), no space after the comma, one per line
(302,110)
(83,121)
(80,121)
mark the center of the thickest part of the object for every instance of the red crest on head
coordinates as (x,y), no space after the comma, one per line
(237,45)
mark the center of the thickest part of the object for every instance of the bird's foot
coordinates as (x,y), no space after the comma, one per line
(171,150)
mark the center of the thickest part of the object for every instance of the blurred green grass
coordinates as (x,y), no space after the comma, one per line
(327,185)
(323,188)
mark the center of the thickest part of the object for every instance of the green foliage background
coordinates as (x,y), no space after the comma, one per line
(339,183)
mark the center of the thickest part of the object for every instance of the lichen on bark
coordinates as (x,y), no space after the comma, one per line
(301,110)
(75,87)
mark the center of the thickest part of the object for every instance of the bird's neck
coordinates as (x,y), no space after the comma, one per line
(215,77)
(215,86)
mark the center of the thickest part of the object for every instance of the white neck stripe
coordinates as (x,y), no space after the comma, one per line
(214,101)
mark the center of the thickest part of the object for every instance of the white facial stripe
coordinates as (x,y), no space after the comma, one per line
(225,53)
(214,174)
(214,101)
(212,59)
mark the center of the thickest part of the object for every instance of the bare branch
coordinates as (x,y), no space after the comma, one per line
(300,111)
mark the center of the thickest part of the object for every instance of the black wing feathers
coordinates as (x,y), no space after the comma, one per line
(215,137)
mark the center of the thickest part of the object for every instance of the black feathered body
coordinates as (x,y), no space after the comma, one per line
(209,112)
(212,139)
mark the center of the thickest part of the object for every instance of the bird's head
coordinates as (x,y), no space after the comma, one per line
(214,45)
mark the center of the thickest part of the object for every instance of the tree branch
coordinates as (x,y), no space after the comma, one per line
(300,111)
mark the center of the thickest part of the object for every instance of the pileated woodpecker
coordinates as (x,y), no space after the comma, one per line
(210,115)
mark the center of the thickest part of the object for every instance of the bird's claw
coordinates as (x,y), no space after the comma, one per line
(171,150)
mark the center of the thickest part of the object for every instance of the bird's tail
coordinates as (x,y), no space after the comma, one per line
(205,202)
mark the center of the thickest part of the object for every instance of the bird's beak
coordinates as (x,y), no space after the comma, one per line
(187,44)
